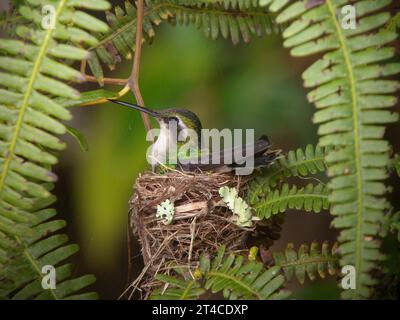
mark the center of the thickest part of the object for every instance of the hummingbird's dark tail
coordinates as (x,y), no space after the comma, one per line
(136,107)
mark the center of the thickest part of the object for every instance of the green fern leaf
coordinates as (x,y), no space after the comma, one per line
(297,163)
(309,198)
(351,95)
(86,97)
(32,76)
(79,137)
(229,275)
(180,289)
(244,281)
(233,19)
(308,261)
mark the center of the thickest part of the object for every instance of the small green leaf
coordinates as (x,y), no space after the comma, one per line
(87,97)
(79,137)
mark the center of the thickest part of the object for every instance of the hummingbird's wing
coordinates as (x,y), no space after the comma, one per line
(226,160)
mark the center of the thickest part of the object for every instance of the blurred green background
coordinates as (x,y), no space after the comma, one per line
(256,85)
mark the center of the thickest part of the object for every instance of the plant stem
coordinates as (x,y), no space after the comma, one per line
(133,81)
(106,80)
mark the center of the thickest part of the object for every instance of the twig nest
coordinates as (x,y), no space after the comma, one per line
(178,216)
(200,220)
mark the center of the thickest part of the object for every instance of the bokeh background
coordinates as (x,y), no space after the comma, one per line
(256,85)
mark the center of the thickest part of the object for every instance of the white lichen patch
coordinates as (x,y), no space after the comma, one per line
(165,211)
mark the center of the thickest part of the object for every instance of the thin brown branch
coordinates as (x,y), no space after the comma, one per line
(89,78)
(106,80)
(83,66)
(133,81)
(134,77)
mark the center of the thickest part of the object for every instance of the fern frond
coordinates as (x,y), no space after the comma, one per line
(229,19)
(310,260)
(46,247)
(351,97)
(230,275)
(32,75)
(296,163)
(309,198)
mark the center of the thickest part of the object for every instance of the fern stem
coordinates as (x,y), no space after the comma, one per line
(185,293)
(356,123)
(133,81)
(307,261)
(106,80)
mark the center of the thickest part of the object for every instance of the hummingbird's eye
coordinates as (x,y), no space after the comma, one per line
(174,119)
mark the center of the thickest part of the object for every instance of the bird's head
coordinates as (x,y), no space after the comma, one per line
(182,118)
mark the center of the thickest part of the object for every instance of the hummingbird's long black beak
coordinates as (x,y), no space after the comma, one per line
(136,107)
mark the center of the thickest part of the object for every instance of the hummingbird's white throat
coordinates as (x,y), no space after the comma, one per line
(165,149)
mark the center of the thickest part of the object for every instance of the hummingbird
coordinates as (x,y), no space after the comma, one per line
(181,127)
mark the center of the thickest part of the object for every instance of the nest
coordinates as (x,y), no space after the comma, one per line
(201,221)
